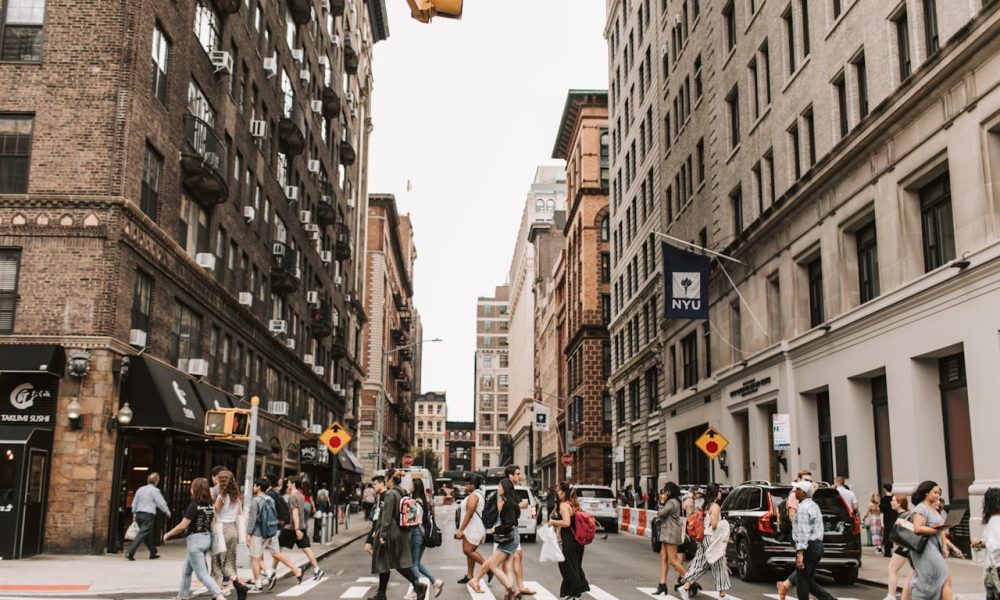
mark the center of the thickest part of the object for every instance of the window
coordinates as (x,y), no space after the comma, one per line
(790,38)
(936,223)
(503,361)
(605,228)
(10,267)
(840,85)
(771,183)
(861,73)
(814,271)
(810,134)
(733,102)
(758,184)
(729,13)
(701,161)
(673,369)
(804,10)
(689,356)
(206,25)
(765,57)
(736,202)
(633,398)
(186,335)
(652,389)
(21,32)
(930,26)
(836,8)
(793,137)
(620,401)
(488,361)
(774,319)
(15,153)
(903,44)
(605,267)
(697,78)
(735,330)
(152,171)
(142,301)
(192,230)
(755,91)
(883,445)
(606,404)
(867,262)
(161,56)
(605,159)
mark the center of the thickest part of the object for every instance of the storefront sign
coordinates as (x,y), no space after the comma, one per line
(750,387)
(307,454)
(322,454)
(781,430)
(28,399)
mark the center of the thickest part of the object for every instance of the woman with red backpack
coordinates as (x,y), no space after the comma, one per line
(711,532)
(574,580)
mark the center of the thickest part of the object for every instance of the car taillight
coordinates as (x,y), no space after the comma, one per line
(855,523)
(764,522)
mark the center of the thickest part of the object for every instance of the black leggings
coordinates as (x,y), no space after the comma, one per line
(383,580)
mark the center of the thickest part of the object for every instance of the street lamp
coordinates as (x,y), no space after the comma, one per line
(381,397)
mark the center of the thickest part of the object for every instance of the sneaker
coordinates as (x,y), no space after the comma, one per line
(256,589)
(272,578)
(683,593)
(318,574)
(890,597)
(438,586)
(421,591)
(464,580)
(410,595)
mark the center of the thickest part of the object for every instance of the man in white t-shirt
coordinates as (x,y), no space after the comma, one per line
(845,492)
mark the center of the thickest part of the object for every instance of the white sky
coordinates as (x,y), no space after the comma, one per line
(466,110)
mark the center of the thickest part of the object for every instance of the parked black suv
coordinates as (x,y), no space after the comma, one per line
(761,541)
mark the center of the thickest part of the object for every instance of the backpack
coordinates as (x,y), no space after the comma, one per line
(491,514)
(267,518)
(432,533)
(284,513)
(584,527)
(696,526)
(410,512)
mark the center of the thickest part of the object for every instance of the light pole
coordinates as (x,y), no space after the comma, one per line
(381,397)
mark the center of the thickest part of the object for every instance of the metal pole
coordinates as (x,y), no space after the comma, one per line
(380,426)
(251,449)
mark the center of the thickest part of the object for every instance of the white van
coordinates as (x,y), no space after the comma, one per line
(411,473)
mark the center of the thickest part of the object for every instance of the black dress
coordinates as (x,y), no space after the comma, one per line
(574,581)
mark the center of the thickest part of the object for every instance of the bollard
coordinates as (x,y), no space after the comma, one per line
(328,528)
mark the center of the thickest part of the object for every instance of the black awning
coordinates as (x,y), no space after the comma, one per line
(162,397)
(33,358)
(349,462)
(18,434)
(212,397)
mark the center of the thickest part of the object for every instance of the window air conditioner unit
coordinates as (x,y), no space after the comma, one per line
(305,75)
(354,113)
(137,338)
(338,281)
(205,260)
(246,298)
(313,165)
(309,359)
(321,371)
(304,423)
(350,202)
(316,428)
(292,192)
(305,216)
(311,228)
(271,65)
(198,367)
(314,233)
(312,297)
(277,326)
(278,249)
(350,97)
(324,60)
(334,40)
(326,256)
(222,61)
(298,54)
(290,343)
(258,128)
(277,408)
(347,298)
(317,106)
(239,390)
(249,213)
(327,199)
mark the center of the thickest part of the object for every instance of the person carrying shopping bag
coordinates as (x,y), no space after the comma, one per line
(197,522)
(715,534)
(990,543)
(670,535)
(574,580)
(228,507)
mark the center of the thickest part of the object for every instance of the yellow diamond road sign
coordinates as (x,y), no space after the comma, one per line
(711,442)
(336,438)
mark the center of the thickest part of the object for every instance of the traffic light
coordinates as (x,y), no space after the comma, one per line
(228,423)
(425,10)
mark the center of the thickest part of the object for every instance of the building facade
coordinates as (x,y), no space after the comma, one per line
(460,445)
(208,251)
(550,370)
(491,375)
(862,315)
(583,142)
(431,416)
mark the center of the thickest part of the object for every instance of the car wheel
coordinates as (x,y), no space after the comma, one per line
(848,576)
(745,564)
(531,537)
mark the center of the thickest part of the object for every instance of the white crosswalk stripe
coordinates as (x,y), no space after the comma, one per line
(791,596)
(540,592)
(652,592)
(727,596)
(367,579)
(356,591)
(301,588)
(598,594)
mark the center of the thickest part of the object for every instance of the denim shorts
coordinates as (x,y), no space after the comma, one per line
(511,546)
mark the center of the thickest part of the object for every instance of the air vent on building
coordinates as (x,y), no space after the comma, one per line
(305,216)
(298,55)
(277,408)
(246,298)
(324,60)
(258,128)
(316,428)
(290,343)
(197,367)
(292,192)
(249,213)
(350,202)
(338,281)
(205,260)
(308,359)
(222,61)
(271,65)
(316,105)
(321,371)
(312,297)
(277,326)
(239,390)
(326,256)
(313,165)
(311,228)
(305,75)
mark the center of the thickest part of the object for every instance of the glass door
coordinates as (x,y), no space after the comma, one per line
(36,484)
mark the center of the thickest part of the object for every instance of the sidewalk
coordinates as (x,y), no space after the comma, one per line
(966,576)
(110,574)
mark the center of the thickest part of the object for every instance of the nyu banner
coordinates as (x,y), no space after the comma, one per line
(685,279)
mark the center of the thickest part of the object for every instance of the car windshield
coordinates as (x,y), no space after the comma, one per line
(830,503)
(595,493)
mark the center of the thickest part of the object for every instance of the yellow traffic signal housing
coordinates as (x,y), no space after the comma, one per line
(425,10)
(228,423)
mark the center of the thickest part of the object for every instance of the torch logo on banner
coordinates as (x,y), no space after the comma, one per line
(686,284)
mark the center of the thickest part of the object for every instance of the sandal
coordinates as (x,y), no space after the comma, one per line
(474,586)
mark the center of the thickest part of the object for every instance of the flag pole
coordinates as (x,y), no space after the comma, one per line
(703,249)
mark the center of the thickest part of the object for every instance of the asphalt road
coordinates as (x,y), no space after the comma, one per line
(619,567)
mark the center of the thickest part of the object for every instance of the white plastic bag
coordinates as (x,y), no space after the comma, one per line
(218,538)
(132,532)
(551,552)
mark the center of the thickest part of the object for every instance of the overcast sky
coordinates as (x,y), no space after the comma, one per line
(466,110)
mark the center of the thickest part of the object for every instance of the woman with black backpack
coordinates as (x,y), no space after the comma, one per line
(423,536)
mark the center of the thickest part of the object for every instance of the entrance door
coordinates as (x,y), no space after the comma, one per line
(692,465)
(10,491)
(958,441)
(35,486)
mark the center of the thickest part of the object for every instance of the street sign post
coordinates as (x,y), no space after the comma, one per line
(567,460)
(336,438)
(712,443)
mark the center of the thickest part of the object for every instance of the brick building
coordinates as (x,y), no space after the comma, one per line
(491,383)
(182,195)
(460,445)
(583,142)
(550,369)
(391,348)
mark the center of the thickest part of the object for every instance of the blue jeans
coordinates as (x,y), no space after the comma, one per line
(417,552)
(198,545)
(145,522)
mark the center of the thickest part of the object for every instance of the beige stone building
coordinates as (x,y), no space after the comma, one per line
(550,370)
(429,430)
(491,381)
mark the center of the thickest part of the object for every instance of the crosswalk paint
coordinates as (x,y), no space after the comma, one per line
(729,596)
(598,594)
(367,579)
(301,588)
(652,592)
(790,596)
(356,591)
(540,592)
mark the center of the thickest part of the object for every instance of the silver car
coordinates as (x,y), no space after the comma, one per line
(600,501)
(526,522)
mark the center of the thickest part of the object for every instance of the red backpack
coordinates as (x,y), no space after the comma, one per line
(584,527)
(696,526)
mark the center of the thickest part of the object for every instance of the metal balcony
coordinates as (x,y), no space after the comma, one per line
(301,11)
(350,58)
(203,162)
(321,319)
(342,242)
(227,7)
(339,347)
(284,268)
(326,208)
(337,7)
(292,128)
(330,97)
(406,355)
(399,336)
(347,153)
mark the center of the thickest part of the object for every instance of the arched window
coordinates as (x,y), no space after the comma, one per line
(605,229)
(551,205)
(539,205)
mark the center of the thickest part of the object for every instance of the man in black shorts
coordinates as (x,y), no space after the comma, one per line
(294,534)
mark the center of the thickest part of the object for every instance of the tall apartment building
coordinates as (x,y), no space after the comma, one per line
(583,141)
(842,134)
(550,369)
(546,196)
(491,375)
(391,350)
(182,192)
(431,416)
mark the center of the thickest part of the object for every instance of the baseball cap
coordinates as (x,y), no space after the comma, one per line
(805,486)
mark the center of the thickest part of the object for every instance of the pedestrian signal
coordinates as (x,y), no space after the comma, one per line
(228,423)
(425,10)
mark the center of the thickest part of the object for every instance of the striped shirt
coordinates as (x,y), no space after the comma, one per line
(808,524)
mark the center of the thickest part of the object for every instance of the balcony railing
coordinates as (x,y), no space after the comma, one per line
(203,162)
(322,319)
(326,208)
(330,97)
(284,268)
(406,355)
(350,58)
(301,11)
(339,347)
(347,153)
(292,127)
(342,243)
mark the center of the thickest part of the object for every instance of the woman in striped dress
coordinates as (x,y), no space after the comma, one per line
(711,553)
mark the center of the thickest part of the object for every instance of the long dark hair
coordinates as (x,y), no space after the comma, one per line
(922,490)
(201,492)
(991,504)
(711,495)
(569,492)
(419,492)
(671,490)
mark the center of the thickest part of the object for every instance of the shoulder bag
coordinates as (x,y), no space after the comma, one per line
(903,534)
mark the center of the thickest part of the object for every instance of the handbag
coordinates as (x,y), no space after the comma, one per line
(903,534)
(550,552)
(503,534)
(132,532)
(218,538)
(655,537)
